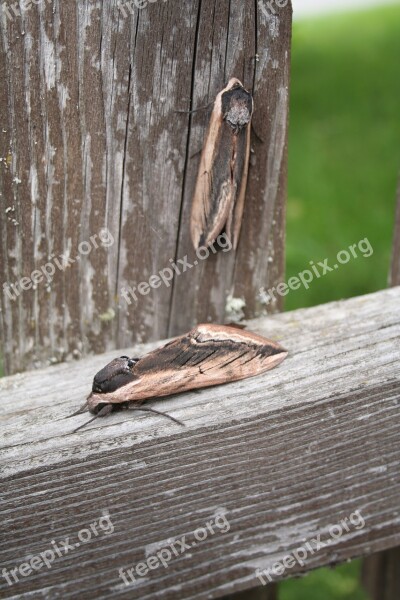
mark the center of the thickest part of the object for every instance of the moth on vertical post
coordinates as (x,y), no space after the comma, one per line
(205,356)
(222,177)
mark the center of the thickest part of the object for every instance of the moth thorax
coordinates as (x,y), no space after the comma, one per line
(237,107)
(237,117)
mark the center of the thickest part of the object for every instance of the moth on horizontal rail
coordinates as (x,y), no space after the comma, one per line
(222,177)
(208,355)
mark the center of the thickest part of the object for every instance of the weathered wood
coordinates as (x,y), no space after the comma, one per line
(269,592)
(257,50)
(89,138)
(284,456)
(380,572)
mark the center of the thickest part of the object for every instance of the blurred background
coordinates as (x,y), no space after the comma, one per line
(344,150)
(344,163)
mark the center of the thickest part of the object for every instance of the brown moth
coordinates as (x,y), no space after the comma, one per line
(208,355)
(221,181)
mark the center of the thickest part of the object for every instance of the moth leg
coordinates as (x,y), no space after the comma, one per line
(102,413)
(195,153)
(256,134)
(157,412)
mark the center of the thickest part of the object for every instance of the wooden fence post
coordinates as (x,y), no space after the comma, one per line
(90,139)
(380,573)
(394,276)
(269,592)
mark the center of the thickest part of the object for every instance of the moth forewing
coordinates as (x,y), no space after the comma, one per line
(206,356)
(242,181)
(222,177)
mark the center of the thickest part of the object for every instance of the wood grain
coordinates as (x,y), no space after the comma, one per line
(380,573)
(381,576)
(89,138)
(257,51)
(283,456)
(394,278)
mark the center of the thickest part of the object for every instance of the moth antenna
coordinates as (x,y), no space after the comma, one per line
(158,412)
(80,410)
(194,110)
(84,425)
(102,413)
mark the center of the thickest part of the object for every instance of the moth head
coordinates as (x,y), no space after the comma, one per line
(116,374)
(237,106)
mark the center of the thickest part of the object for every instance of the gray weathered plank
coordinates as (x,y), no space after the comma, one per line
(89,138)
(284,456)
(257,49)
(380,573)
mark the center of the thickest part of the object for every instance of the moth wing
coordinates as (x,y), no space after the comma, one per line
(240,178)
(219,194)
(215,192)
(208,355)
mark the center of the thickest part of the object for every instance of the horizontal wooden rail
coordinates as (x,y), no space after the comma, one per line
(270,463)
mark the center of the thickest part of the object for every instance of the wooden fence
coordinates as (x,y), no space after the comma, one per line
(91,141)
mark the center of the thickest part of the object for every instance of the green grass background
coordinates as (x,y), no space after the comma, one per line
(344,162)
(344,149)
(342,583)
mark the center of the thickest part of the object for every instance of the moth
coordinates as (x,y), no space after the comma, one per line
(220,189)
(208,355)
